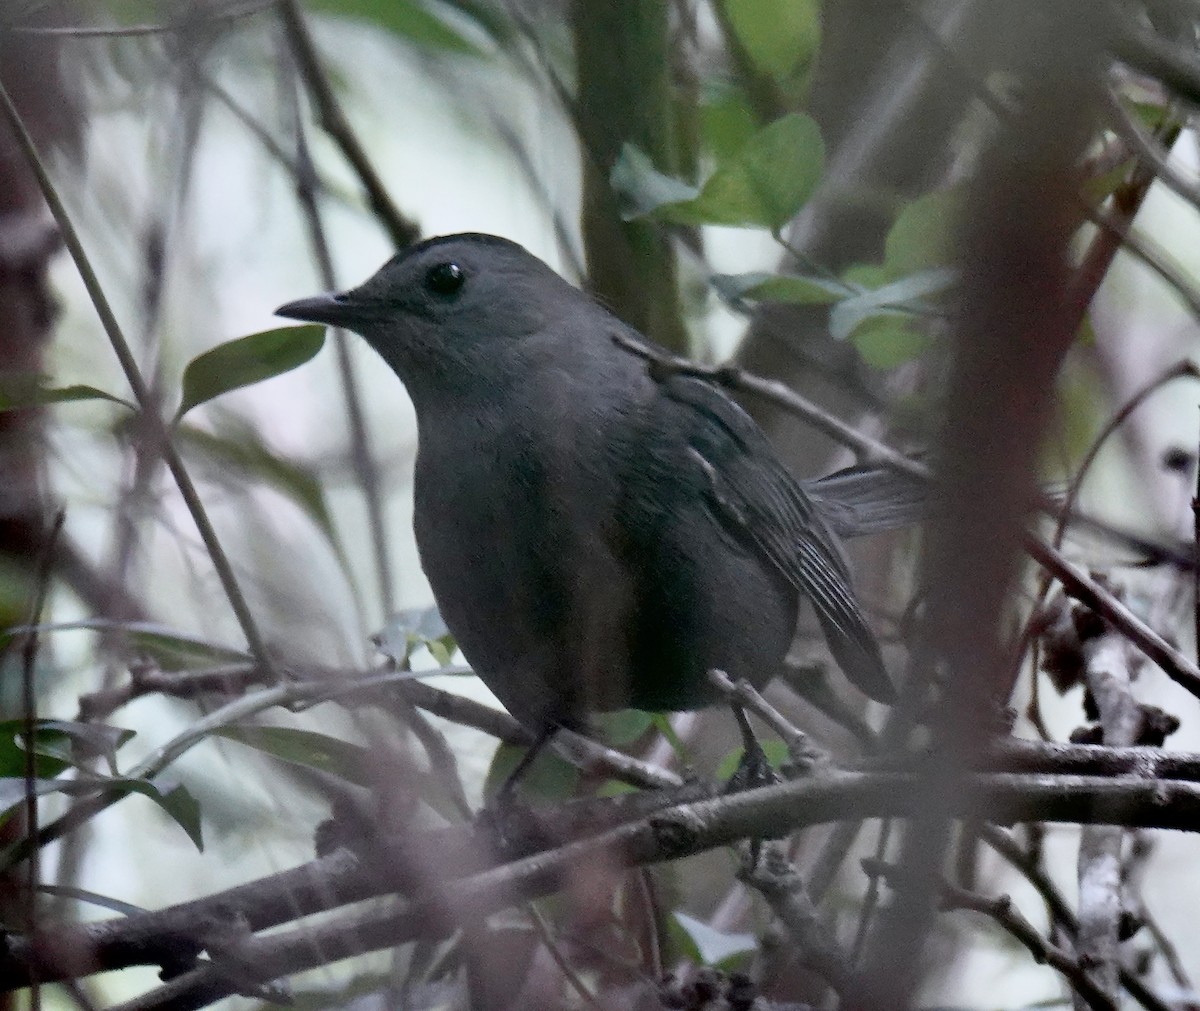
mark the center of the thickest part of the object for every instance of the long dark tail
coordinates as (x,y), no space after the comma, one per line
(868,499)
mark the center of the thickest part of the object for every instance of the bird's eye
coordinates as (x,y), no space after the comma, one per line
(445,278)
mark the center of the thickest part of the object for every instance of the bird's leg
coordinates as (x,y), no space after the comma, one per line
(754,769)
(504,813)
(507,791)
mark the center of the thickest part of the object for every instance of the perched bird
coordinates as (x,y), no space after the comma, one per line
(597,537)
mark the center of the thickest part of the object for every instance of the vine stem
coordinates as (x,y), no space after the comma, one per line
(137,382)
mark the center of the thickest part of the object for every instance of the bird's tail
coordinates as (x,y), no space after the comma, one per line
(868,499)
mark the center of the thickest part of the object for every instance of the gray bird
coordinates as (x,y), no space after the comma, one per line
(596,537)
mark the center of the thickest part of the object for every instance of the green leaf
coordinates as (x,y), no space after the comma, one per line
(170,649)
(406,18)
(246,361)
(351,762)
(63,742)
(923,233)
(175,799)
(243,448)
(663,725)
(888,340)
(766,182)
(92,898)
(776,34)
(641,189)
(623,726)
(866,275)
(775,750)
(908,295)
(1098,188)
(28,389)
(793,289)
(711,946)
(727,120)
(177,803)
(410,629)
(550,776)
(12,752)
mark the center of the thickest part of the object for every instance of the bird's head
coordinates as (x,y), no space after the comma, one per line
(450,309)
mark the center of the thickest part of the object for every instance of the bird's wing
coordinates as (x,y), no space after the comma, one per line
(759,500)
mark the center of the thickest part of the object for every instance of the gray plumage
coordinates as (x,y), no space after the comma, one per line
(595,538)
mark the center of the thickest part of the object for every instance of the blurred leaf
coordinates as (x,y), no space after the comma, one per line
(866,275)
(177,802)
(888,340)
(174,800)
(246,361)
(1151,114)
(170,649)
(909,294)
(615,788)
(64,742)
(775,750)
(923,234)
(28,389)
(623,726)
(423,622)
(439,651)
(764,184)
(132,12)
(412,628)
(92,898)
(663,724)
(1080,402)
(1098,188)
(726,119)
(246,451)
(347,761)
(12,754)
(762,287)
(641,189)
(407,18)
(711,946)
(776,34)
(550,776)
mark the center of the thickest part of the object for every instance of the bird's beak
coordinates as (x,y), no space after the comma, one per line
(333,309)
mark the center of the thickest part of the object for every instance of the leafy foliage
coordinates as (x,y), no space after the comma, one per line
(246,361)
(764,183)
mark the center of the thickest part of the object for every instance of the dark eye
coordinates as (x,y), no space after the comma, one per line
(445,278)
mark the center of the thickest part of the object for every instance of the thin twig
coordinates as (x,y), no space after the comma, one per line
(363,459)
(1108,674)
(871,899)
(542,929)
(137,384)
(1196,548)
(1002,911)
(803,752)
(1008,917)
(1060,912)
(402,231)
(41,586)
(1144,145)
(683,831)
(782,887)
(233,13)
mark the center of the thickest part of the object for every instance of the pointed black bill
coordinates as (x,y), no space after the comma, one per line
(335,310)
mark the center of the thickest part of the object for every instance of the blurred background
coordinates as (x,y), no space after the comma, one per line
(784,184)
